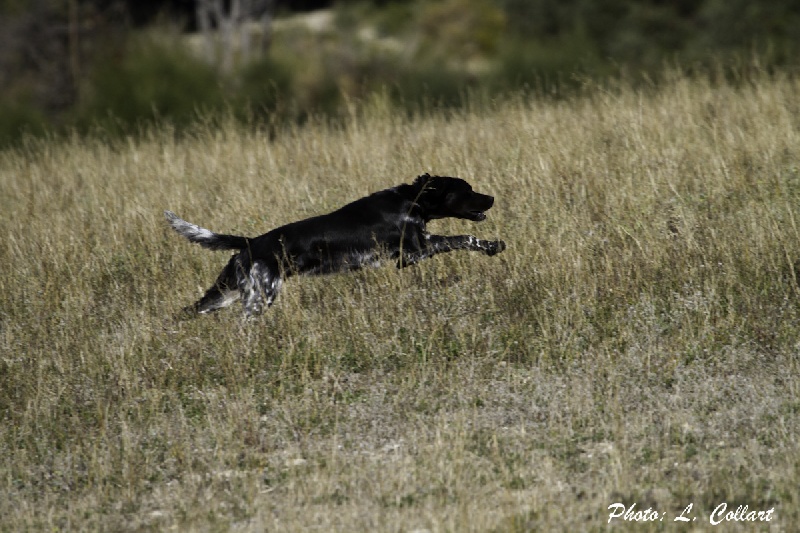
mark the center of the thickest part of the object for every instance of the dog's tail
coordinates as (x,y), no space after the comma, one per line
(204,237)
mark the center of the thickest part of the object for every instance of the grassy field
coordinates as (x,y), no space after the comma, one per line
(638,341)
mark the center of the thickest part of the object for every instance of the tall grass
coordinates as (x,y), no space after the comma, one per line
(637,342)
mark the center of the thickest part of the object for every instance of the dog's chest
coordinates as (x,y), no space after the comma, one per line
(370,259)
(408,222)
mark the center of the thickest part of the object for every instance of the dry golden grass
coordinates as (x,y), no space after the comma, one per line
(636,343)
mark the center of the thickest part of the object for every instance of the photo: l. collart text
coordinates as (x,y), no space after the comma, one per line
(722,513)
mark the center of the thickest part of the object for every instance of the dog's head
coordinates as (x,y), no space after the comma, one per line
(442,196)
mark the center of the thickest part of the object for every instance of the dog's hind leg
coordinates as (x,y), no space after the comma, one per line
(214,298)
(223,293)
(259,287)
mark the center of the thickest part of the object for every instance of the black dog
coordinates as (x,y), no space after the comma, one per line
(389,223)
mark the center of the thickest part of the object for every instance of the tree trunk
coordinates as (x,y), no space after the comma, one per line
(232,32)
(203,14)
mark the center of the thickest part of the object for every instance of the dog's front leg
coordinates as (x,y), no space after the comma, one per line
(437,244)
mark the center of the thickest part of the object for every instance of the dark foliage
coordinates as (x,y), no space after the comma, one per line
(80,63)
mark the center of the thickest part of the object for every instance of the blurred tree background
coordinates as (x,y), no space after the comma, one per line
(119,65)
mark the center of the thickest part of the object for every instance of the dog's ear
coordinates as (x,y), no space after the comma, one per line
(421,180)
(430,191)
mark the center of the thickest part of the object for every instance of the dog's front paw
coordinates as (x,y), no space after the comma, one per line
(495,247)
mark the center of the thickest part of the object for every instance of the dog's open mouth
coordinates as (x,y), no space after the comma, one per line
(477,216)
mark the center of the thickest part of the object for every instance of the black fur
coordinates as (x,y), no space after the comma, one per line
(389,223)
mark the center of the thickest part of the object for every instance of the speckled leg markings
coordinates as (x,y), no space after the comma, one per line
(437,244)
(259,288)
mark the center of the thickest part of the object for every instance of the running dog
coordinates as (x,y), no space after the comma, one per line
(386,224)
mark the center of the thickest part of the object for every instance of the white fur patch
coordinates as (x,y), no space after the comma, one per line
(259,289)
(408,220)
(369,259)
(194,232)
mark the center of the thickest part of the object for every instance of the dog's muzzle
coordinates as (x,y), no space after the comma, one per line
(484,203)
